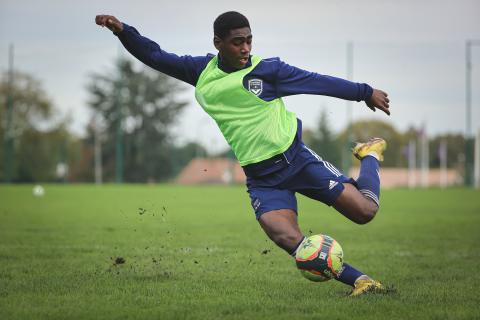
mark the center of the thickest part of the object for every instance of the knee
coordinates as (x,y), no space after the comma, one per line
(366,212)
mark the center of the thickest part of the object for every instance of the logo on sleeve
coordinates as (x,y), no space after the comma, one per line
(255,86)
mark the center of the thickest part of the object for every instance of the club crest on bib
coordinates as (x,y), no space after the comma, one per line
(255,86)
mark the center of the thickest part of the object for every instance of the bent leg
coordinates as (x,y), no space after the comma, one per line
(355,206)
(361,205)
(281,227)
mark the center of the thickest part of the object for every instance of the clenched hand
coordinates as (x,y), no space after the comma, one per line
(110,22)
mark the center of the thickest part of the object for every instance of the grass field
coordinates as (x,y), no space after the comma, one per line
(198,253)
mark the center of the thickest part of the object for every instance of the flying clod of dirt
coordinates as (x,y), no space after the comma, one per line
(119,260)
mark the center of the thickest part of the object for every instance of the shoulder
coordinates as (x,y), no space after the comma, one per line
(200,62)
(204,59)
(268,67)
(186,68)
(270,63)
(274,64)
(272,60)
(201,59)
(276,67)
(197,62)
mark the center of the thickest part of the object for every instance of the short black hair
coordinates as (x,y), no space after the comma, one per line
(228,21)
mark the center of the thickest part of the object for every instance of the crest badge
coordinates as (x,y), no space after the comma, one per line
(255,86)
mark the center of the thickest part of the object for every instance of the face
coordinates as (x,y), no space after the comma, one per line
(235,48)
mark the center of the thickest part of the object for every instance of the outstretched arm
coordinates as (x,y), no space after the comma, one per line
(292,80)
(185,68)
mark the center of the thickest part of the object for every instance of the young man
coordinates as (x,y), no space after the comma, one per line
(242,93)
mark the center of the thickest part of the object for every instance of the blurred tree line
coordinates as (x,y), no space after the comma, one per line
(132,108)
(133,111)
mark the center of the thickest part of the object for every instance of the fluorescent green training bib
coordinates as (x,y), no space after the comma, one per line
(255,129)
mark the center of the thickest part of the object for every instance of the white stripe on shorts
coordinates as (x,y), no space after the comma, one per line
(313,153)
(331,168)
(327,164)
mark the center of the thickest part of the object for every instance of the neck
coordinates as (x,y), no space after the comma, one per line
(222,64)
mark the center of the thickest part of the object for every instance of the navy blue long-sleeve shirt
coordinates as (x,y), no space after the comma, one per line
(279,79)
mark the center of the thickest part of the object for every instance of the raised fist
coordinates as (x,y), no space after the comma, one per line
(110,22)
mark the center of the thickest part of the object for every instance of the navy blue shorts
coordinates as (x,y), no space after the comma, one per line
(306,173)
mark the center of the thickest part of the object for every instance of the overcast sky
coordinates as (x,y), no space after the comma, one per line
(414,50)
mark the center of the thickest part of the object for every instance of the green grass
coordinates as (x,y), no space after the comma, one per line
(198,253)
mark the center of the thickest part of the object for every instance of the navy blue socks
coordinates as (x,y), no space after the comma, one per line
(348,275)
(294,251)
(369,180)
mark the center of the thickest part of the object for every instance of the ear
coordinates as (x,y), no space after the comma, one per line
(217,42)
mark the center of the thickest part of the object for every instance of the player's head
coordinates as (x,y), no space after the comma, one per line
(233,38)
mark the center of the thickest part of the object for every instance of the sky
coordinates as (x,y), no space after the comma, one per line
(413,50)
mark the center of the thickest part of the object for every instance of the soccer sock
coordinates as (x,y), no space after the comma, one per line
(369,180)
(348,275)
(294,251)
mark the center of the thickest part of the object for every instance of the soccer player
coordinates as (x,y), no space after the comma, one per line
(242,93)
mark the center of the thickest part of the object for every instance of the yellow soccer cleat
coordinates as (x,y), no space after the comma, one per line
(366,285)
(373,147)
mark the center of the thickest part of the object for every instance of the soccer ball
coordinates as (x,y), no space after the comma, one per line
(38,191)
(319,258)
